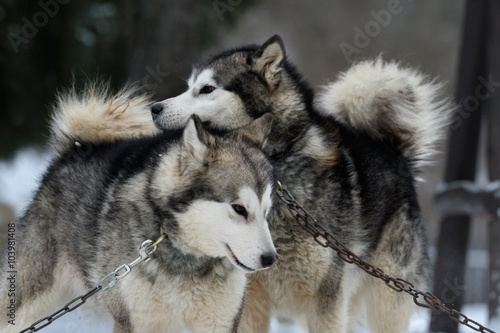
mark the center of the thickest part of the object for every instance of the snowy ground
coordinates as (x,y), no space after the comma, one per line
(82,321)
(18,180)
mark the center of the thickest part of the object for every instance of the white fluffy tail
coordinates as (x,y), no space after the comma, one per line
(95,116)
(390,103)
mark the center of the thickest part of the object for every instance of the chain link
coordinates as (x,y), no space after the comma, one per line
(77,302)
(146,249)
(325,239)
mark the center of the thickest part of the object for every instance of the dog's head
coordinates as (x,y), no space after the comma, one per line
(231,89)
(215,196)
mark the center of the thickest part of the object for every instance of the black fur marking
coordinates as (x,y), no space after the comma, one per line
(174,262)
(121,316)
(181,201)
(249,49)
(163,217)
(245,86)
(237,318)
(329,287)
(261,171)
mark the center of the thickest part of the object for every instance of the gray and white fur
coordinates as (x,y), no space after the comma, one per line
(350,157)
(101,197)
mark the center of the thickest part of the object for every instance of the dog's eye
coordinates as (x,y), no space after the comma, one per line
(240,210)
(207,89)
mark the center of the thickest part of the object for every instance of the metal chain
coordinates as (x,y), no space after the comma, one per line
(146,249)
(77,302)
(325,239)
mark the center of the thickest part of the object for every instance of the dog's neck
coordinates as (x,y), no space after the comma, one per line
(286,133)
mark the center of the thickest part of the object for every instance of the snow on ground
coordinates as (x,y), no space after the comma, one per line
(19,179)
(84,320)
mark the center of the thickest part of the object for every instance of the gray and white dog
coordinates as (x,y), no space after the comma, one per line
(102,196)
(351,157)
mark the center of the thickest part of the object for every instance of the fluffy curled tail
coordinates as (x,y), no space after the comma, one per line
(391,103)
(95,115)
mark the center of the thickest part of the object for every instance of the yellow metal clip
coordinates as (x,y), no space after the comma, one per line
(159,240)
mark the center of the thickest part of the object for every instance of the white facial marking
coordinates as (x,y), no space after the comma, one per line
(249,199)
(221,107)
(216,229)
(204,78)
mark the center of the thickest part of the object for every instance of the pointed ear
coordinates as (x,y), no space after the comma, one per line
(195,141)
(269,59)
(258,130)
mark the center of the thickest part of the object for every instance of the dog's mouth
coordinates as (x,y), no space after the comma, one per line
(235,259)
(206,123)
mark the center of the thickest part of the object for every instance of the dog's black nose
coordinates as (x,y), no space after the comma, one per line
(156,109)
(268,259)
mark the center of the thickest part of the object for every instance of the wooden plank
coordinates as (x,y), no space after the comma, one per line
(465,197)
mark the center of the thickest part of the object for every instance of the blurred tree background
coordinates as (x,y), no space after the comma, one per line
(48,45)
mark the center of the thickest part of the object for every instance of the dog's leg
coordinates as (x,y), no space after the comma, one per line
(388,311)
(35,290)
(330,309)
(257,311)
(217,317)
(381,309)
(122,327)
(336,320)
(35,275)
(402,255)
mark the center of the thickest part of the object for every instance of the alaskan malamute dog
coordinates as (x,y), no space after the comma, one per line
(351,157)
(102,197)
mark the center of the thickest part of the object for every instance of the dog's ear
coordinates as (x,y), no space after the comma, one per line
(269,59)
(258,130)
(195,145)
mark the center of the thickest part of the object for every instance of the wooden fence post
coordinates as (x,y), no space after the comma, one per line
(493,153)
(449,274)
